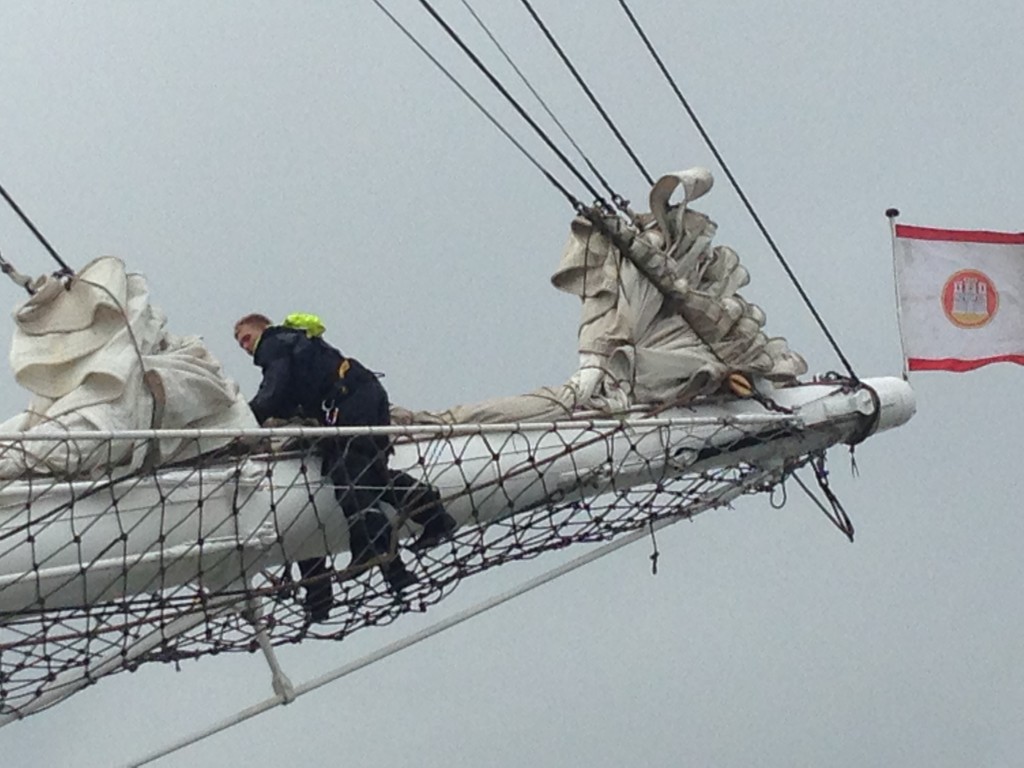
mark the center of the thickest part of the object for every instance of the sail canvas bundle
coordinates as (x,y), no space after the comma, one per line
(662,321)
(96,355)
(960,296)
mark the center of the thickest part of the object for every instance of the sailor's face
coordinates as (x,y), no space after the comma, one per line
(247,335)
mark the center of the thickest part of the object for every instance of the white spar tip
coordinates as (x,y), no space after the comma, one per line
(896,400)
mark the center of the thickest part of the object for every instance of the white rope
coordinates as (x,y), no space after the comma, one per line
(435,629)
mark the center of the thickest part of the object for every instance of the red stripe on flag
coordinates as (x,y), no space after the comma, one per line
(959,235)
(958,365)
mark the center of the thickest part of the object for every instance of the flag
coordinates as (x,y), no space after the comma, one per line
(960,297)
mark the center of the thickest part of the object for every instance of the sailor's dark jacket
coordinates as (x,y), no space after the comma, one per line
(301,375)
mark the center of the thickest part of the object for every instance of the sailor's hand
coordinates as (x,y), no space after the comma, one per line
(274,421)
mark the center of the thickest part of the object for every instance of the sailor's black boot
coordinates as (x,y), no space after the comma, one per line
(397,576)
(318,602)
(421,503)
(438,526)
(370,540)
(393,569)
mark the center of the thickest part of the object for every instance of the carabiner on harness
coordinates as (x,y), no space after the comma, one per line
(330,417)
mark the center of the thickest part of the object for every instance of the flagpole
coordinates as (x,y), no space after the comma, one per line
(892,214)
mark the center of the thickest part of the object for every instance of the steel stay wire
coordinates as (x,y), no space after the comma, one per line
(35,231)
(616,198)
(703,132)
(599,200)
(573,200)
(739,191)
(589,213)
(586,89)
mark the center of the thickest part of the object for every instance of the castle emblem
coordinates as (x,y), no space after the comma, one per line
(970,298)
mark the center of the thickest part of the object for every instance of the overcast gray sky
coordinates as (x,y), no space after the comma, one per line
(286,156)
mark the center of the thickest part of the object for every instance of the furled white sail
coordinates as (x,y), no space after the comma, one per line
(96,355)
(662,323)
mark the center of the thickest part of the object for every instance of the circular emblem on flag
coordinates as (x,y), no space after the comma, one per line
(969,298)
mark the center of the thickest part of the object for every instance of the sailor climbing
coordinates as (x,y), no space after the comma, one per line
(304,376)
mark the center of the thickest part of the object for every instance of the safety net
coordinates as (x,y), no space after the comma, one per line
(105,572)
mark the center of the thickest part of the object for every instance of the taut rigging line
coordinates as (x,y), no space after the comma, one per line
(590,94)
(576,204)
(598,199)
(573,200)
(35,231)
(739,191)
(617,199)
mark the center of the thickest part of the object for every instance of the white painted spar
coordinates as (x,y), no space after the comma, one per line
(75,544)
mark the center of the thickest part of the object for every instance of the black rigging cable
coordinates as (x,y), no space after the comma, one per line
(615,197)
(516,105)
(586,90)
(39,235)
(739,191)
(573,201)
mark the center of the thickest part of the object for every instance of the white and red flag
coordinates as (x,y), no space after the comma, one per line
(961,297)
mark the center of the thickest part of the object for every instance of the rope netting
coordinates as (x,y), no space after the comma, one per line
(102,574)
